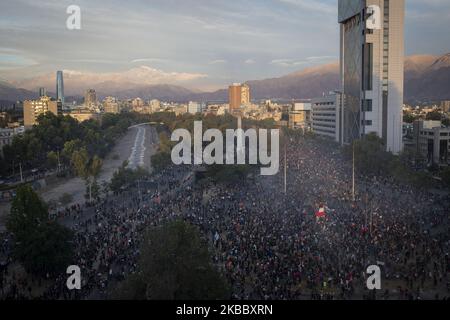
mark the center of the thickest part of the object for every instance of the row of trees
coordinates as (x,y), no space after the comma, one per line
(434,115)
(55,139)
(372,159)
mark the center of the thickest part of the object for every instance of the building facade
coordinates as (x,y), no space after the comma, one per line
(326,116)
(60,87)
(42,92)
(300,116)
(194,107)
(239,95)
(445,106)
(111,105)
(90,99)
(432,142)
(7,135)
(33,108)
(155,105)
(372,67)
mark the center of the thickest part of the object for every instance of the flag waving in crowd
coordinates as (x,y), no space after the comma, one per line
(321,214)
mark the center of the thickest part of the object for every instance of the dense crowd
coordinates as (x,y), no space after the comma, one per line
(271,245)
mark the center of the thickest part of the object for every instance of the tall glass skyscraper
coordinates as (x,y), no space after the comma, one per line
(60,87)
(372,62)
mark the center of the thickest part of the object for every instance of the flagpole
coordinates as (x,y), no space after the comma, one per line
(21,173)
(285,168)
(353,173)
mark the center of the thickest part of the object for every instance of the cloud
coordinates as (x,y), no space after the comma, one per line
(321,58)
(11,62)
(287,62)
(315,6)
(11,59)
(140,60)
(220,61)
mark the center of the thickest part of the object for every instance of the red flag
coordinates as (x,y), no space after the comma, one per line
(321,213)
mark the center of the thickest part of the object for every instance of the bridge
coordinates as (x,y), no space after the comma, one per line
(144,124)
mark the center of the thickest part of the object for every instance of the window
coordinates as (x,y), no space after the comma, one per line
(367,105)
(367,66)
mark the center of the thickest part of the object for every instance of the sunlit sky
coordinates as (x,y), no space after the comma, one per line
(221,40)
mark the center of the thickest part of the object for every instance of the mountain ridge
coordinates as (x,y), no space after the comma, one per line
(426,79)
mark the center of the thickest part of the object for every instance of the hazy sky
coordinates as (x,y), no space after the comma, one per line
(221,40)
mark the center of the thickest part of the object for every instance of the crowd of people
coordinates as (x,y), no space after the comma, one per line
(270,244)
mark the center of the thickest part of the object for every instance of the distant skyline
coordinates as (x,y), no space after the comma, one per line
(202,44)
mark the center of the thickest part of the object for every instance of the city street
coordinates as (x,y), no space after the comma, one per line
(137,147)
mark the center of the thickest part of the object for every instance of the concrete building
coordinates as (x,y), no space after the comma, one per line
(194,107)
(111,105)
(137,105)
(326,116)
(33,108)
(155,105)
(216,109)
(372,67)
(300,116)
(239,95)
(432,142)
(179,109)
(90,99)
(445,106)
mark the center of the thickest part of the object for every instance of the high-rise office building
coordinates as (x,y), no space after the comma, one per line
(60,87)
(42,92)
(33,108)
(326,116)
(372,61)
(90,98)
(239,95)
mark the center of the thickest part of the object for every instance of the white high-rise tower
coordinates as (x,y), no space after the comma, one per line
(372,61)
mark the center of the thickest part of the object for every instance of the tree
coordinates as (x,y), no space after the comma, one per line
(446,122)
(160,161)
(174,265)
(27,212)
(52,159)
(87,168)
(70,147)
(434,115)
(125,176)
(409,118)
(41,245)
(370,155)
